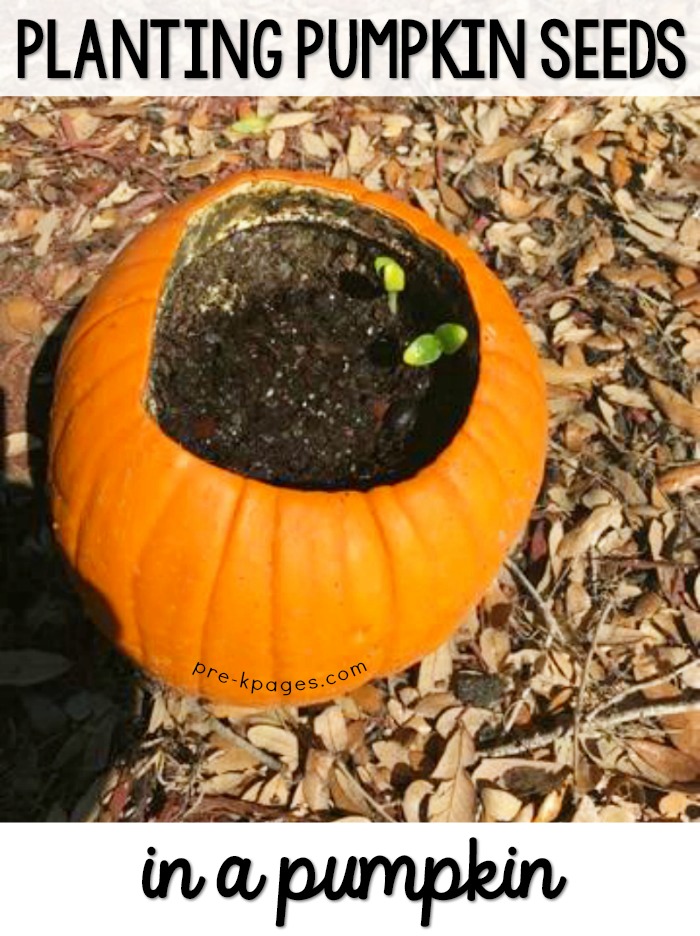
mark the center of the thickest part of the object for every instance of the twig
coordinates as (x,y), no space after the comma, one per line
(377,807)
(590,727)
(580,696)
(641,686)
(229,735)
(553,626)
(529,743)
(643,565)
(655,710)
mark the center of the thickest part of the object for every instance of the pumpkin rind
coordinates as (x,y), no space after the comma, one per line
(183,562)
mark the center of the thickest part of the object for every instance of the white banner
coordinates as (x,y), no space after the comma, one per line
(618,878)
(128,47)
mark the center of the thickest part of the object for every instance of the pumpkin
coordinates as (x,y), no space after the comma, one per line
(183,562)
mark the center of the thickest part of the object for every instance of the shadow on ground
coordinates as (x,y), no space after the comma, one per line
(68,702)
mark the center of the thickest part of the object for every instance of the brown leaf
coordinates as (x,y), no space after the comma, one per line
(499,805)
(681,413)
(39,126)
(684,732)
(314,145)
(413,797)
(573,125)
(618,812)
(231,760)
(331,729)
(494,645)
(359,151)
(551,110)
(25,221)
(278,741)
(276,144)
(689,232)
(452,200)
(205,165)
(316,779)
(435,670)
(557,375)
(627,396)
(681,479)
(585,536)
(66,278)
(45,228)
(20,316)
(82,123)
(369,698)
(454,800)
(393,125)
(673,805)
(347,793)
(498,150)
(620,168)
(600,250)
(550,807)
(459,753)
(516,207)
(288,119)
(673,765)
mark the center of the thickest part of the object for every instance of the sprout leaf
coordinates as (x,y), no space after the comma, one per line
(381,262)
(392,274)
(424,350)
(451,336)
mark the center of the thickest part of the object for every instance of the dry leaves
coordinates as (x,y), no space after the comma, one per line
(587,210)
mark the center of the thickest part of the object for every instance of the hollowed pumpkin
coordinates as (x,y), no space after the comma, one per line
(184,562)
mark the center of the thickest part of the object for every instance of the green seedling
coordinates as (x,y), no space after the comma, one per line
(426,349)
(393,278)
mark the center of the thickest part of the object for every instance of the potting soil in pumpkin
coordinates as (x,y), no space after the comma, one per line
(276,356)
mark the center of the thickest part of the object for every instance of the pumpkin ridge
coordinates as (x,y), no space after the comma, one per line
(104,377)
(77,341)
(479,436)
(467,519)
(230,528)
(130,265)
(512,357)
(397,493)
(85,509)
(468,524)
(276,616)
(386,549)
(176,478)
(457,495)
(92,457)
(515,434)
(498,468)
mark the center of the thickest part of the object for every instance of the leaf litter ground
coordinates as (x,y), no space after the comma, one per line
(572,693)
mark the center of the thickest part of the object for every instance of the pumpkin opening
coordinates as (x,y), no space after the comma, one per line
(276,354)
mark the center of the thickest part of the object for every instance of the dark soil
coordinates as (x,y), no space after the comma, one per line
(277,356)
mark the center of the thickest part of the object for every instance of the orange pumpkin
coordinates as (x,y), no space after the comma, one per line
(183,562)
